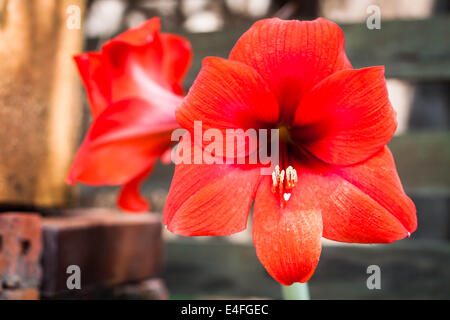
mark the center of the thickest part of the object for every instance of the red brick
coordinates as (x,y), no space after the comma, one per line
(110,248)
(20,250)
(20,294)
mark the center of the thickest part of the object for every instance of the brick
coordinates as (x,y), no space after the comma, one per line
(110,248)
(20,250)
(20,294)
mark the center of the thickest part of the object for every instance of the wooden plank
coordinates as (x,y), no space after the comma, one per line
(423,161)
(216,269)
(20,252)
(409,270)
(150,289)
(433,216)
(350,11)
(416,50)
(40,100)
(109,248)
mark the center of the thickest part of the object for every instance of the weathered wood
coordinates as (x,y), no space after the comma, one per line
(150,289)
(423,161)
(414,50)
(411,49)
(409,270)
(20,252)
(349,11)
(110,248)
(433,216)
(40,100)
(216,269)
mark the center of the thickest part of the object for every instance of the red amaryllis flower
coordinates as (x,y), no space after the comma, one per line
(337,178)
(133,86)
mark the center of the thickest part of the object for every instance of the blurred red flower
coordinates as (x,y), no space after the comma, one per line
(337,178)
(133,85)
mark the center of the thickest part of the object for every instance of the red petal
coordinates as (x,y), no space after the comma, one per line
(137,66)
(364,203)
(292,56)
(141,34)
(121,143)
(347,117)
(95,79)
(287,240)
(138,63)
(130,198)
(177,59)
(376,209)
(226,95)
(210,200)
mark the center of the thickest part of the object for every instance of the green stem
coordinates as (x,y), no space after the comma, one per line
(296,291)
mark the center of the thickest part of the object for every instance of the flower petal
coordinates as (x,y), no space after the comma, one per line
(347,117)
(136,65)
(287,240)
(227,99)
(176,61)
(121,142)
(140,35)
(376,209)
(95,79)
(363,203)
(130,198)
(210,200)
(226,95)
(292,56)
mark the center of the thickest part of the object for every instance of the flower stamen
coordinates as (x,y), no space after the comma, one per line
(283,182)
